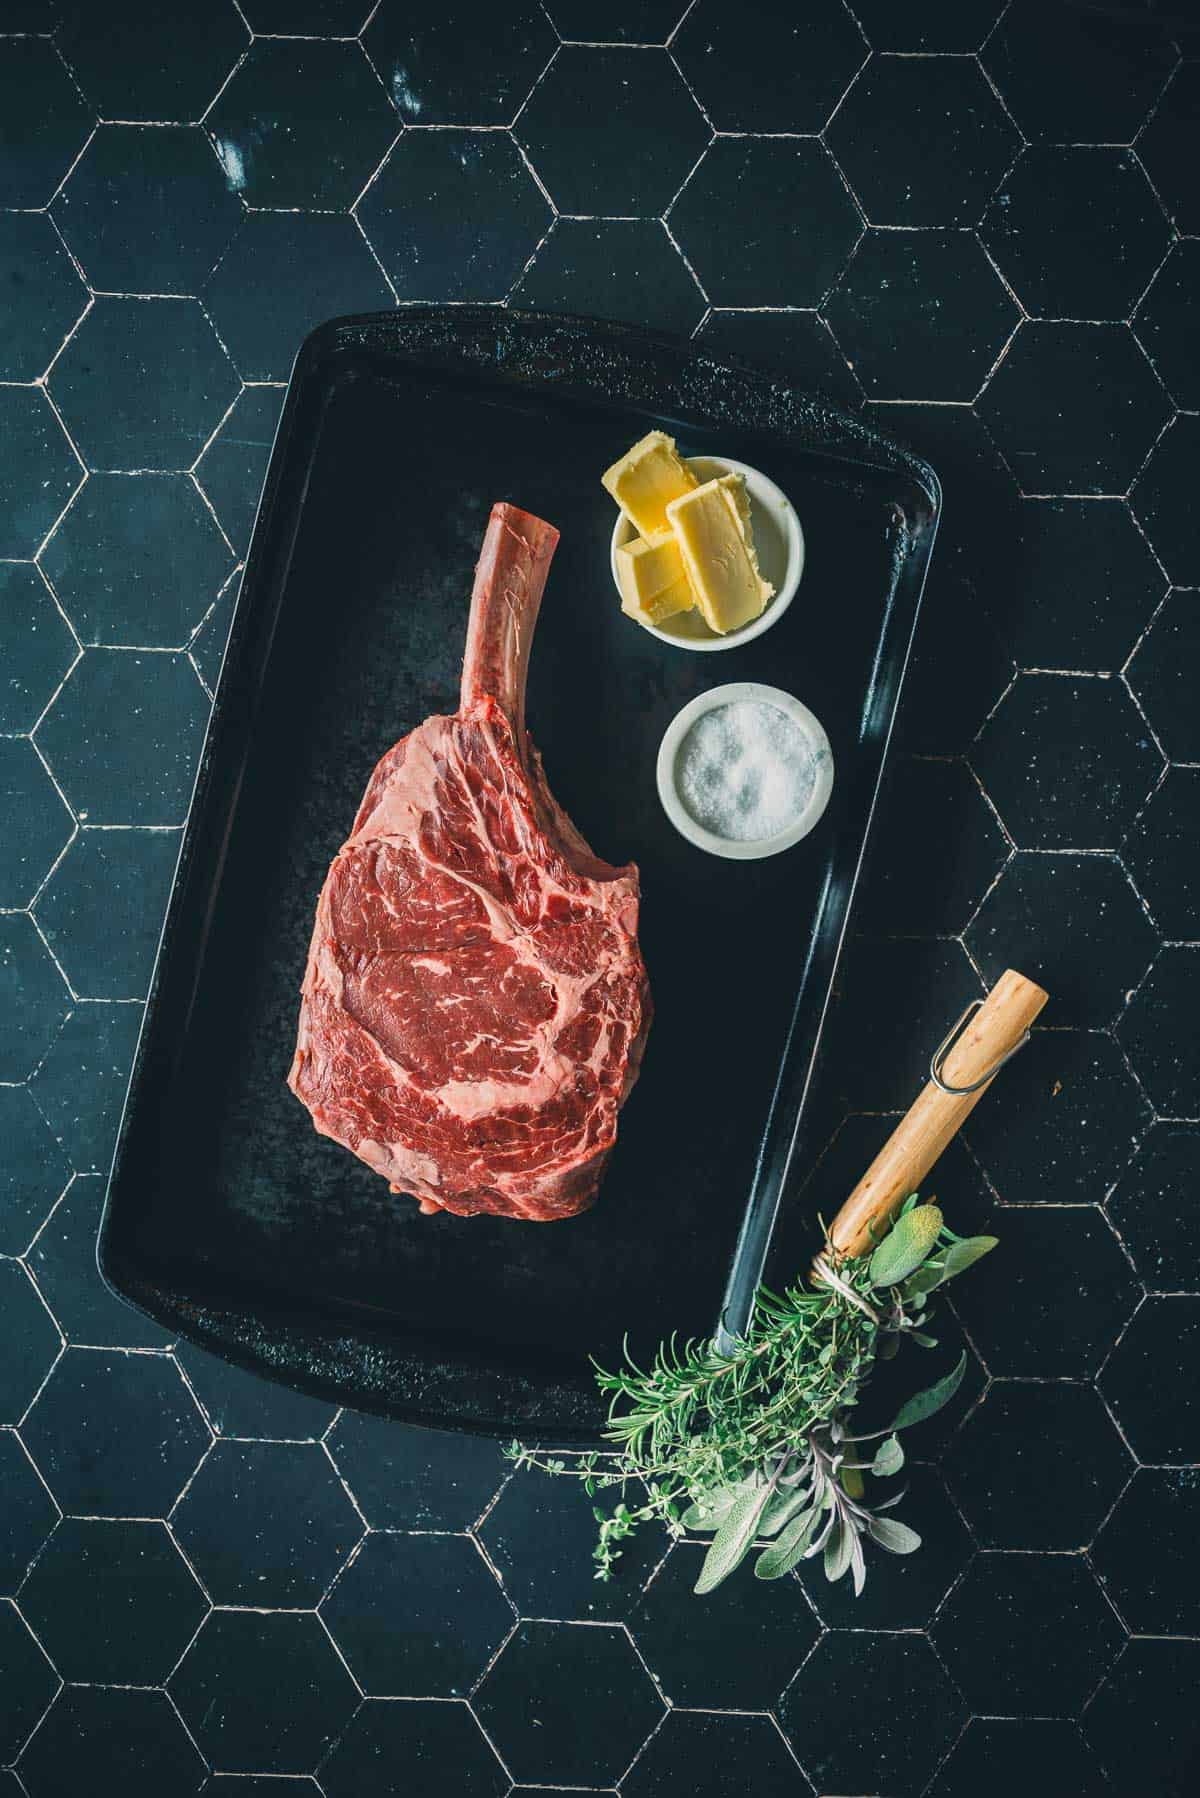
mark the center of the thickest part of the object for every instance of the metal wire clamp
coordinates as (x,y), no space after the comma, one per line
(938,1059)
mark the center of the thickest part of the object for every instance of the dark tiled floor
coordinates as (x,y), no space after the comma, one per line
(977,216)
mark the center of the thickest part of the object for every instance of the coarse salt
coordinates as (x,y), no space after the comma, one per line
(746,771)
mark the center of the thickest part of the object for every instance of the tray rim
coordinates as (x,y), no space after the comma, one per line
(204,1325)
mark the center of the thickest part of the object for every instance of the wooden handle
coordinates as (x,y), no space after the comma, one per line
(994,1031)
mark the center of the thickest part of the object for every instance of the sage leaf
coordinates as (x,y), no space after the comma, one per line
(790,1549)
(781,1507)
(858,1565)
(733,1539)
(839,1547)
(711,1509)
(925,1404)
(906,1245)
(889,1458)
(965,1253)
(893,1535)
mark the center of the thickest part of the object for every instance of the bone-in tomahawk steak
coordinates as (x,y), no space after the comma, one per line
(475,1003)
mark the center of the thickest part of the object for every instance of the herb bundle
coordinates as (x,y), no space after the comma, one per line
(752,1443)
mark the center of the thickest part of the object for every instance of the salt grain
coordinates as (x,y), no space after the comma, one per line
(746,770)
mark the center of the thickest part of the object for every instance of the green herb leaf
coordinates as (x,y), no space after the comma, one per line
(791,1547)
(964,1253)
(710,1511)
(733,1539)
(893,1535)
(889,1458)
(925,1404)
(839,1548)
(905,1246)
(781,1507)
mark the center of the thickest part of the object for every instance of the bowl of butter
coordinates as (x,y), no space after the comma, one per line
(706,552)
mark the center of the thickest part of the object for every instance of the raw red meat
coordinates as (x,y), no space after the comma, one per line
(475,1003)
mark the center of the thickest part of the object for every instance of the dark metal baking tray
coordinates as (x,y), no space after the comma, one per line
(228,1219)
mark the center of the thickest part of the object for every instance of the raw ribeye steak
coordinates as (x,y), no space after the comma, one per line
(475,1003)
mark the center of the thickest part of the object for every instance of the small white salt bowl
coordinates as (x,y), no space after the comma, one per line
(778,542)
(732,848)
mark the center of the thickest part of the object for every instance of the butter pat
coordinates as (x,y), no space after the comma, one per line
(646,479)
(712,527)
(653,580)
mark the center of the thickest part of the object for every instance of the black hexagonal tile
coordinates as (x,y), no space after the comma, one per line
(34,822)
(453,215)
(1043,1757)
(1167,323)
(1145,1553)
(38,466)
(284,274)
(612,131)
(136,60)
(135,1736)
(902,1591)
(307,18)
(266,1523)
(612,268)
(1160,853)
(33,999)
(1066,1291)
(797,344)
(80,1085)
(1168,146)
(1011,1490)
(1074,923)
(420,1749)
(715,1757)
(207,648)
(455,1615)
(735,1649)
(880,1063)
(462,65)
(1076,77)
(113,1603)
(540,1535)
(1158,1036)
(766,222)
(34,1171)
(137,559)
(36,646)
(262,1785)
(232,468)
(29,1681)
(837,1738)
(109,954)
(529,1703)
(263,1691)
(147,210)
(415,1479)
(143,384)
(921,313)
(1066,760)
(939,25)
(1152,1210)
(30,1341)
(238,1403)
(933,815)
(765,69)
(1162,497)
(922,141)
(123,737)
(63,1261)
(116,1435)
(1143,1723)
(616,21)
(41,296)
(1160,1417)
(1003,1627)
(45,123)
(1160,673)
(1076,230)
(1086,584)
(29,1512)
(1075,407)
(302,123)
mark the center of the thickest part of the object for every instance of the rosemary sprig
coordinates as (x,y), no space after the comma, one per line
(751,1445)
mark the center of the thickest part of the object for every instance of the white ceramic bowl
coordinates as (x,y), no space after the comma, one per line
(778,541)
(668,788)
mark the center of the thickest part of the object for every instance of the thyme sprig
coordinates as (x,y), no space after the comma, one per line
(749,1442)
